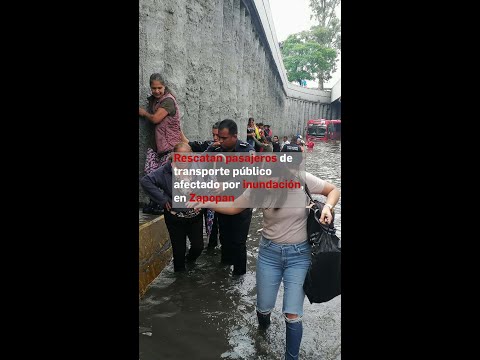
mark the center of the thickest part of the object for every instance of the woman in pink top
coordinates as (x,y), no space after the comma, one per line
(162,111)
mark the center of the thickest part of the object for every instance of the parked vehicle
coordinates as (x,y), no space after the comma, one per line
(323,130)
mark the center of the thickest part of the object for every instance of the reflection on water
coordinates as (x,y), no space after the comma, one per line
(206,314)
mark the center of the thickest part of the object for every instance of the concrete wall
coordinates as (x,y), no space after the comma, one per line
(221,58)
(336,90)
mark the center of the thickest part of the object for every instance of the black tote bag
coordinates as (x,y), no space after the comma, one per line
(323,280)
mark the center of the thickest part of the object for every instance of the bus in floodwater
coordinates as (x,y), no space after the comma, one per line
(323,130)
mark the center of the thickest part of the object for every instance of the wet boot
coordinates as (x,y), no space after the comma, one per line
(263,320)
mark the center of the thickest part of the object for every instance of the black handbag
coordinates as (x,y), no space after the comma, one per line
(323,280)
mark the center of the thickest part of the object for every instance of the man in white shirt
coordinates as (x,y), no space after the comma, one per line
(284,142)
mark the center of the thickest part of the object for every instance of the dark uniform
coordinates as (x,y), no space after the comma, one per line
(276,146)
(234,228)
(291,148)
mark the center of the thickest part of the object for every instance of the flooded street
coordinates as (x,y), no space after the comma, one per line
(204,313)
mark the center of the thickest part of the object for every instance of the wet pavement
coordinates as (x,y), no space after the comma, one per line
(205,313)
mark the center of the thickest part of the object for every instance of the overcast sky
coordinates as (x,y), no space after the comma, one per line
(291,17)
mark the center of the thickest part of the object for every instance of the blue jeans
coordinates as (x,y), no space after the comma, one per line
(290,263)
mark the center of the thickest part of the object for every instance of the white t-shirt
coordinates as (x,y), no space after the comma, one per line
(284,143)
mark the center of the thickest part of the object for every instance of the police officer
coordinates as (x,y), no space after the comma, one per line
(234,228)
(292,147)
(201,146)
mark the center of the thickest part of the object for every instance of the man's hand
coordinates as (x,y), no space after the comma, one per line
(168,206)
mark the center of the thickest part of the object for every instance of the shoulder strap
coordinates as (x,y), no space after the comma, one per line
(307,191)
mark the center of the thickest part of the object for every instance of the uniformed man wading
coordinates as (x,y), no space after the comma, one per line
(234,228)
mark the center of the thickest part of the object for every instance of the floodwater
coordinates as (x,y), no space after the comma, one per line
(205,313)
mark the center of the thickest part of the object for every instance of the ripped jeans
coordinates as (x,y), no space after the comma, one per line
(289,262)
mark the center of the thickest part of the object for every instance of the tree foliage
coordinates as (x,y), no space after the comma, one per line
(312,54)
(305,58)
(329,28)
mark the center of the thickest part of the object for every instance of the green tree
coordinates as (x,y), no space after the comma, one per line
(328,32)
(306,58)
(324,13)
